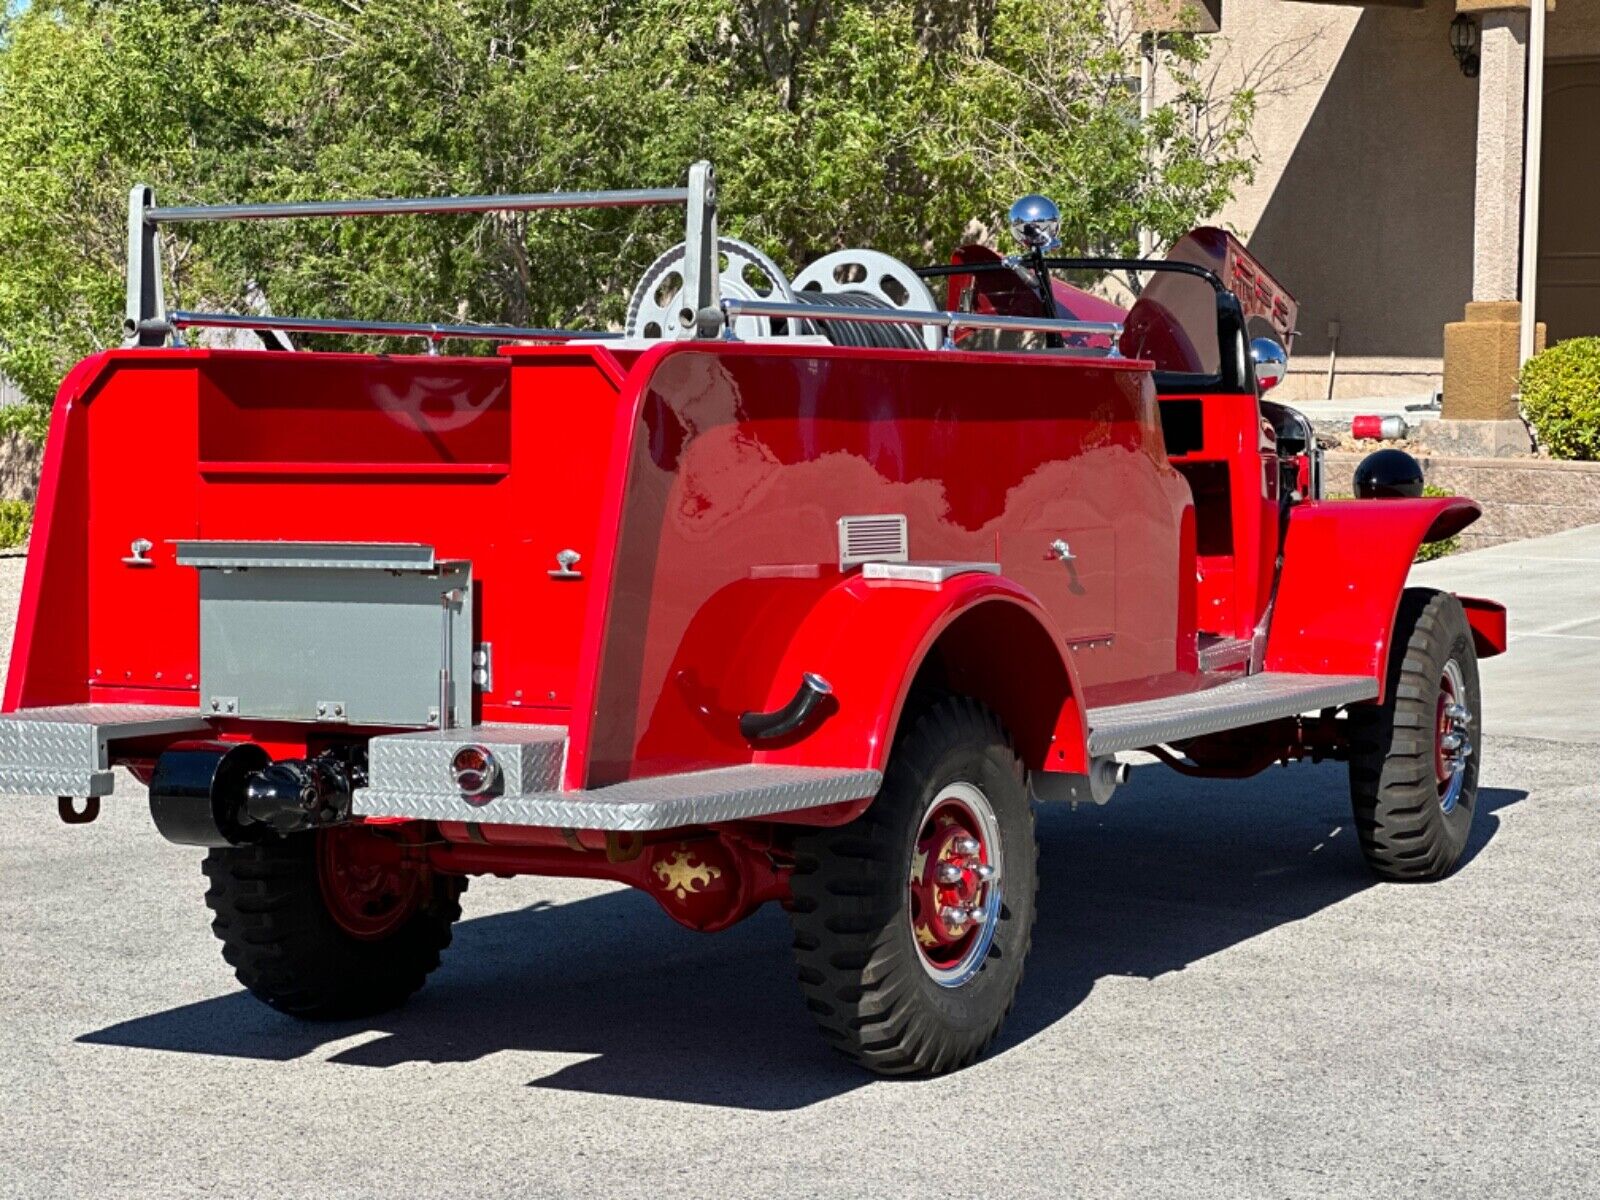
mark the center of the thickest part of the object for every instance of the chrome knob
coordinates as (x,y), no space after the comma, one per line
(1036,223)
(567,565)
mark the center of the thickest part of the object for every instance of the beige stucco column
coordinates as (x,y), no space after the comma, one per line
(1502,88)
(1481,353)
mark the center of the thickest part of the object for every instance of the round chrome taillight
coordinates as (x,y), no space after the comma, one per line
(474,770)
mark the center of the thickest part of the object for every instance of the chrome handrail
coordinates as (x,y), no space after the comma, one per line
(146,321)
(735,307)
(184,319)
(636,198)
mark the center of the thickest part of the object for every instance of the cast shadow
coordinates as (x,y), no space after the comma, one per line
(1172,871)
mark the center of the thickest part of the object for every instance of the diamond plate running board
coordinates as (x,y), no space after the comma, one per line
(66,751)
(664,802)
(1259,698)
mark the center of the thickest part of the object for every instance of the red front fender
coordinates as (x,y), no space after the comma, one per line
(1345,565)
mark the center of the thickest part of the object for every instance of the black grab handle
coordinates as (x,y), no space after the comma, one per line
(764,726)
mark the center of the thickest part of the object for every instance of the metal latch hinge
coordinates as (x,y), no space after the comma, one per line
(483,666)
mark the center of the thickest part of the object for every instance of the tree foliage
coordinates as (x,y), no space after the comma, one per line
(900,124)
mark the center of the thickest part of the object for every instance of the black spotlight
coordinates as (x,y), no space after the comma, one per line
(1388,474)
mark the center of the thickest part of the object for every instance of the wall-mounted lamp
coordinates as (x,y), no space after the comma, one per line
(1464,44)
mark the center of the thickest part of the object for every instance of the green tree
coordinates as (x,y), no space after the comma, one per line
(900,124)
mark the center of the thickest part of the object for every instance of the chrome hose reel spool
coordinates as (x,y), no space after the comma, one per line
(869,278)
(746,274)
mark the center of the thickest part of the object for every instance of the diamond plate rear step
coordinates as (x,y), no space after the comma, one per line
(410,777)
(66,751)
(1243,702)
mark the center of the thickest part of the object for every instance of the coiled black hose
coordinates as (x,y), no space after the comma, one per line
(872,336)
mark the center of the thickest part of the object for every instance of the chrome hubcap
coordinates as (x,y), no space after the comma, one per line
(955,884)
(1452,737)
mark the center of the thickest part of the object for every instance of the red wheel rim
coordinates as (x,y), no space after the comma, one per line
(955,884)
(1452,736)
(369,887)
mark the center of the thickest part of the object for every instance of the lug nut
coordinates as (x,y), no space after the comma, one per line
(953,916)
(1459,713)
(1451,742)
(965,845)
(948,874)
(984,872)
(977,915)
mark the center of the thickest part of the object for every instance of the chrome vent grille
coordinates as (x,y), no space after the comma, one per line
(878,538)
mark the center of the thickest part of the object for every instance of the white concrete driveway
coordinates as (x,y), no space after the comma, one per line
(1549,685)
(1220,1002)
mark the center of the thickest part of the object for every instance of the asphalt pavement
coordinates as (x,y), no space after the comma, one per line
(1220,1002)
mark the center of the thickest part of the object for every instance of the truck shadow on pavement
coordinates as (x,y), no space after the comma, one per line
(1172,871)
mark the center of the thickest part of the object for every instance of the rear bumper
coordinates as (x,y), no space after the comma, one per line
(410,777)
(69,751)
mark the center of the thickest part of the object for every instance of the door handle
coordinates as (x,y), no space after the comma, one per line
(1061,550)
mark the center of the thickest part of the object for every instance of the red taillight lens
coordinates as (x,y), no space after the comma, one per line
(474,770)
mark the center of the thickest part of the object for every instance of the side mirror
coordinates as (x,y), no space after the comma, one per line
(1271,361)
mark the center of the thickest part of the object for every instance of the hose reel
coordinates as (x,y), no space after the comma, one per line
(869,279)
(843,279)
(745,274)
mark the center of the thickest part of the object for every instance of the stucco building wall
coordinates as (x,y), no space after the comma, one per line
(1363,203)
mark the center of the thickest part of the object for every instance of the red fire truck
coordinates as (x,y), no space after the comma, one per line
(800,590)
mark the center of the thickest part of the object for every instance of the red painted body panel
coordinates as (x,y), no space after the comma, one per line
(702,483)
(247,445)
(729,521)
(1238,540)
(1345,565)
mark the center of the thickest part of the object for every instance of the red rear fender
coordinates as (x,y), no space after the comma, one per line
(977,635)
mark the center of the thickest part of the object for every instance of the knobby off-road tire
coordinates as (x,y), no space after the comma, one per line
(1413,813)
(882,994)
(316,940)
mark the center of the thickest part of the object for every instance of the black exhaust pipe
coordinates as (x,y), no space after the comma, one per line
(233,794)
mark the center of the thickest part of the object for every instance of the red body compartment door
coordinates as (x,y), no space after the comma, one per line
(1072,570)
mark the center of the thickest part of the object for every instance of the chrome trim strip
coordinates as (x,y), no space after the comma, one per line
(925,572)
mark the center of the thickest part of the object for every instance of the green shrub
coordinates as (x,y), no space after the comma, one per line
(16,516)
(1429,551)
(1561,396)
